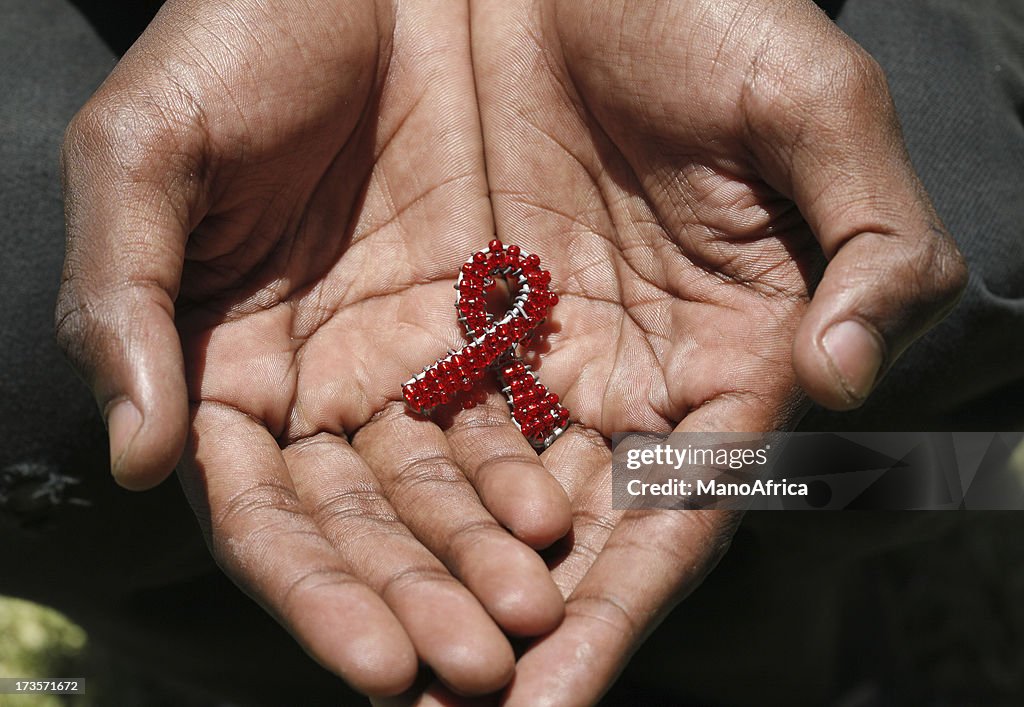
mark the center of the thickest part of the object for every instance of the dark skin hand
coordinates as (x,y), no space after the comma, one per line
(266,213)
(290,191)
(693,168)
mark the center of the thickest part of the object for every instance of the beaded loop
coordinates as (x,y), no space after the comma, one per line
(536,412)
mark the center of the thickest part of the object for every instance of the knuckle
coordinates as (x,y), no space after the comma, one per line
(857,92)
(470,534)
(422,475)
(343,511)
(860,72)
(941,270)
(492,414)
(131,137)
(105,127)
(305,580)
(85,128)
(590,438)
(258,499)
(696,539)
(844,74)
(502,458)
(817,93)
(715,529)
(416,575)
(603,607)
(69,318)
(242,554)
(89,321)
(588,523)
(79,327)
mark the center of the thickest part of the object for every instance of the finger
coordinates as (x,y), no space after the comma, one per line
(414,464)
(649,563)
(580,460)
(508,475)
(237,481)
(127,222)
(829,137)
(449,629)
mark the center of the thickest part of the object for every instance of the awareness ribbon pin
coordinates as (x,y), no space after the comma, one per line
(536,412)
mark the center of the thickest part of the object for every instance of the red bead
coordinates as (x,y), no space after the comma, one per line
(551,399)
(479,259)
(531,261)
(538,280)
(514,251)
(495,246)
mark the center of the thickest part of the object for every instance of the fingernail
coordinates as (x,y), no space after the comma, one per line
(123,422)
(855,357)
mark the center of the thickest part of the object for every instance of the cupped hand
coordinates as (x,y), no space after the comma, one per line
(731,219)
(267,204)
(686,170)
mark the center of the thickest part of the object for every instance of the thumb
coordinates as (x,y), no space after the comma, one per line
(893,270)
(127,224)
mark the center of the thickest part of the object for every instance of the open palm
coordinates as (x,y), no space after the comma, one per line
(321,176)
(336,184)
(687,191)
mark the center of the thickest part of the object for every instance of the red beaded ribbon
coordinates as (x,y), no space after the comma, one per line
(536,412)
